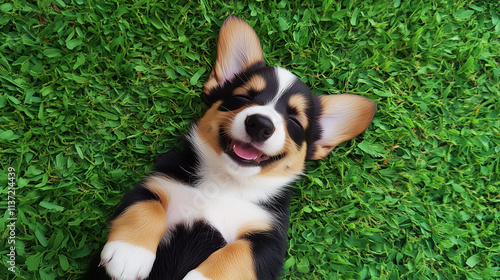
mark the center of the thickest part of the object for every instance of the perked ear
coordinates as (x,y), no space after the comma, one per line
(343,117)
(238,48)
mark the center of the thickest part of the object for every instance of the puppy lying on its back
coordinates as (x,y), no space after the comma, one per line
(218,209)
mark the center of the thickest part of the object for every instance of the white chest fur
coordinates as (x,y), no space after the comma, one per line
(225,212)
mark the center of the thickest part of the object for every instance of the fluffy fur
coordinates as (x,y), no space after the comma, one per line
(218,208)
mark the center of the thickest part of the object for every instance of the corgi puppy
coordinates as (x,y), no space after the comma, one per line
(218,208)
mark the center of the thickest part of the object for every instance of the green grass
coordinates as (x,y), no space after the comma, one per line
(91,93)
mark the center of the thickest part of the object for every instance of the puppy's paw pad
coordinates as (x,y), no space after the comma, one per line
(124,261)
(195,275)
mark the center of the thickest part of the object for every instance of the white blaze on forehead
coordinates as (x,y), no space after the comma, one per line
(285,80)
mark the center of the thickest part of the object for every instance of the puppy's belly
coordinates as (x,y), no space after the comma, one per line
(232,217)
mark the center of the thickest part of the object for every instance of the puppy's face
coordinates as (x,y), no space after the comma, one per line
(264,120)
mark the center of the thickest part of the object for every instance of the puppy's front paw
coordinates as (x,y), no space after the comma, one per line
(124,261)
(195,275)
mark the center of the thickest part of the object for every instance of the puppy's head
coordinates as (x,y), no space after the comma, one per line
(263,120)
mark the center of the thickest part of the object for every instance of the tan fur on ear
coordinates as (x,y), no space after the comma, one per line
(238,48)
(344,116)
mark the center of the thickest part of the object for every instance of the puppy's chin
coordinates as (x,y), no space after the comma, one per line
(237,170)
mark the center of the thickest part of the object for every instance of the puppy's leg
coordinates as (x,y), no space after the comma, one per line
(232,262)
(253,256)
(136,232)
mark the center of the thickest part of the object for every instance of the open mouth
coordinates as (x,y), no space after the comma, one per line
(245,154)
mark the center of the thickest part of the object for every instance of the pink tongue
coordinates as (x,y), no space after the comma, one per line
(246,151)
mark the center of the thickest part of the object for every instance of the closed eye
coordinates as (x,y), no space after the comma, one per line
(295,121)
(242,97)
(235,102)
(292,116)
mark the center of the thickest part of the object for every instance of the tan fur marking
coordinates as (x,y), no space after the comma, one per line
(298,102)
(209,124)
(256,83)
(142,224)
(212,121)
(233,262)
(291,164)
(153,184)
(254,227)
(211,83)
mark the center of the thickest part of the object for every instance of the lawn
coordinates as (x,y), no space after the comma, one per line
(91,92)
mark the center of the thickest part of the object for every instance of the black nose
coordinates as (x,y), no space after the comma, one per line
(259,127)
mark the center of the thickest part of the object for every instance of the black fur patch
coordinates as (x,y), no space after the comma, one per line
(269,247)
(187,249)
(180,165)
